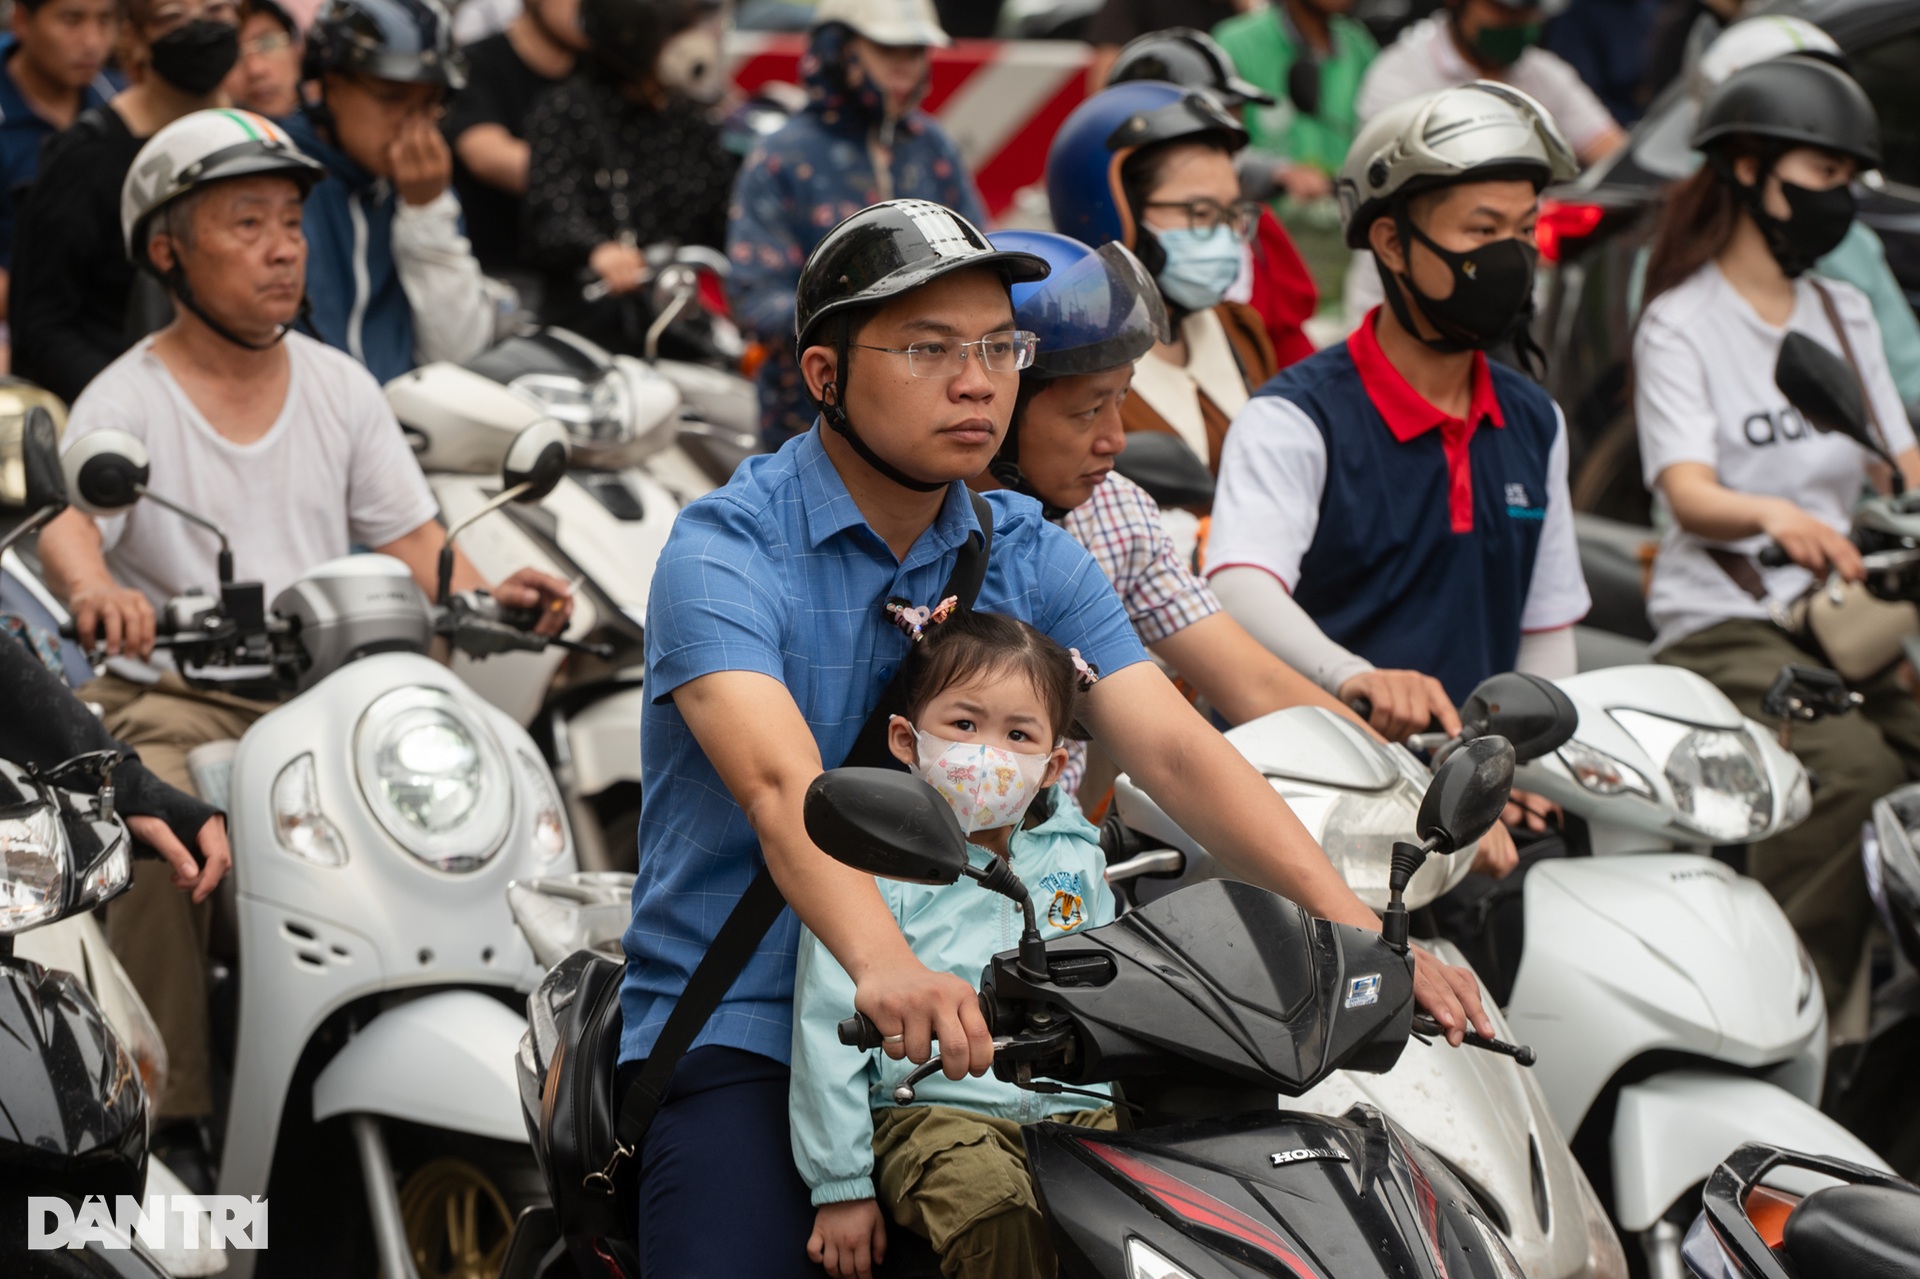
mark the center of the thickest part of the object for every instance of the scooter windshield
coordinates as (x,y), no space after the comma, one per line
(1101,313)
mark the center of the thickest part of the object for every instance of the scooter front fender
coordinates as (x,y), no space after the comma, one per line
(1671,1131)
(444,1060)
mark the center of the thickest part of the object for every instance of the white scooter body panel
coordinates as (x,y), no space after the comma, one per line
(466,419)
(1672,1130)
(314,938)
(1485,1114)
(1626,956)
(605,739)
(471,1041)
(1329,772)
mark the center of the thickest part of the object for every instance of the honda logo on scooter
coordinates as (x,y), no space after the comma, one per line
(1285,1157)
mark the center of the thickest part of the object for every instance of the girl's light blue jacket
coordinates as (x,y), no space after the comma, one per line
(953,929)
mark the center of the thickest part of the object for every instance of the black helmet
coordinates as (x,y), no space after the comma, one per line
(626,36)
(1793,101)
(874,256)
(1191,59)
(892,248)
(406,40)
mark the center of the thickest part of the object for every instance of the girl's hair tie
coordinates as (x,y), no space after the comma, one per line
(915,620)
(1088,673)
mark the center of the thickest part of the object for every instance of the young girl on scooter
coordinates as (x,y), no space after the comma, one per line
(989,706)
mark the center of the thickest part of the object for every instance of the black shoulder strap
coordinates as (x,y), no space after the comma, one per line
(762,903)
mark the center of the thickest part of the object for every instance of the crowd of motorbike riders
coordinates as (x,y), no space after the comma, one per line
(1390,522)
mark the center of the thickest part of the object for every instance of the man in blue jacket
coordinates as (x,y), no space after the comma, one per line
(391,278)
(861,140)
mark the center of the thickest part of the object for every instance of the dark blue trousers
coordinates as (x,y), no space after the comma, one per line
(719,1195)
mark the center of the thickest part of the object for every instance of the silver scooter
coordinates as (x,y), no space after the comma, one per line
(376,817)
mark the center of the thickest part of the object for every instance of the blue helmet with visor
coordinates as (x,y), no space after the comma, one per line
(1098,309)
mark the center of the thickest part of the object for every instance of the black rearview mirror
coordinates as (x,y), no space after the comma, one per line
(1822,386)
(1467,795)
(1530,712)
(106,472)
(1162,464)
(887,823)
(537,458)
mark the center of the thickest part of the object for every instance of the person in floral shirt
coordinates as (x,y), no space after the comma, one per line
(861,140)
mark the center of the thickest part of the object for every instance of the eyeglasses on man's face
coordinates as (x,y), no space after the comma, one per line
(1207,214)
(1007,351)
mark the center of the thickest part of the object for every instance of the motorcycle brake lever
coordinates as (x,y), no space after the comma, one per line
(1426,1026)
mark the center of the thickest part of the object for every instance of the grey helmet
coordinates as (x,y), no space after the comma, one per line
(1468,133)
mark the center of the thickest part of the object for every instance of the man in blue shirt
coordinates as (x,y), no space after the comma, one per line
(767,647)
(50,75)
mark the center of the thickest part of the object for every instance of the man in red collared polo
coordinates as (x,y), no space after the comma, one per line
(1399,499)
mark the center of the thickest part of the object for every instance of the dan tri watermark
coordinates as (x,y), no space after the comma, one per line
(159,1221)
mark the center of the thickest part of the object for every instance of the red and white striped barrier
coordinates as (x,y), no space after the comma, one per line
(1001,100)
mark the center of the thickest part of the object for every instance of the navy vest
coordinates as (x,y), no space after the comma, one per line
(1387,576)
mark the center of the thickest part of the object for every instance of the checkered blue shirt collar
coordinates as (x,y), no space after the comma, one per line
(831,509)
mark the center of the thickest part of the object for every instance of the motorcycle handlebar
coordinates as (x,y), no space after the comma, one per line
(1774,555)
(858,1031)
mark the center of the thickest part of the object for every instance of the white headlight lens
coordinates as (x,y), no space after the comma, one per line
(1601,773)
(1720,784)
(298,822)
(434,777)
(33,868)
(549,823)
(1719,781)
(1144,1263)
(1358,833)
(597,413)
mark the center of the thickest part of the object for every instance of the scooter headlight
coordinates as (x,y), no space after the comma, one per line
(549,821)
(299,823)
(1144,1263)
(1719,780)
(597,412)
(434,777)
(33,867)
(1601,773)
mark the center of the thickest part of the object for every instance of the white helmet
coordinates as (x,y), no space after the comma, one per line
(197,150)
(1758,40)
(1468,133)
(898,22)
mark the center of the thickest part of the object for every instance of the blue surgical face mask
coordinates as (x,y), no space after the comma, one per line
(1201,265)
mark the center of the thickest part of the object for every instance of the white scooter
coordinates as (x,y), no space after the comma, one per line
(648,436)
(376,818)
(1481,1112)
(1675,1012)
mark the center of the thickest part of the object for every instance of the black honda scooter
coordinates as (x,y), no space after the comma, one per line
(1200,1007)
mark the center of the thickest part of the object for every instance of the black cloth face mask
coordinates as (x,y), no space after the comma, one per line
(1819,221)
(195,58)
(1492,291)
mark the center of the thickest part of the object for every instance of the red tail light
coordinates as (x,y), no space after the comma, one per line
(1562,222)
(1190,1203)
(1768,1210)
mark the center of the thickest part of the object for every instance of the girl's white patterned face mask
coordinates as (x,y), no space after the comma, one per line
(986,786)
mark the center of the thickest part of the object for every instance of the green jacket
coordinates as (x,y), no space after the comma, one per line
(1263,51)
(955,928)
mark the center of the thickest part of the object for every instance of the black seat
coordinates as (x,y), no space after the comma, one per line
(1856,1232)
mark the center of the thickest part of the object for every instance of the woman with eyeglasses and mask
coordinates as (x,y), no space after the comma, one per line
(1736,466)
(1150,165)
(72,279)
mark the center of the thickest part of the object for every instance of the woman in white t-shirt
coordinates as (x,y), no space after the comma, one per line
(1736,467)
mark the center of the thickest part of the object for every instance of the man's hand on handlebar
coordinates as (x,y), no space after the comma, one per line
(121,617)
(544,593)
(621,267)
(1450,995)
(202,877)
(1812,543)
(1496,855)
(914,1007)
(1403,702)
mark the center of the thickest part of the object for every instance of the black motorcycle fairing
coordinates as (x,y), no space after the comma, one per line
(1276,1193)
(1222,984)
(538,352)
(75,1119)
